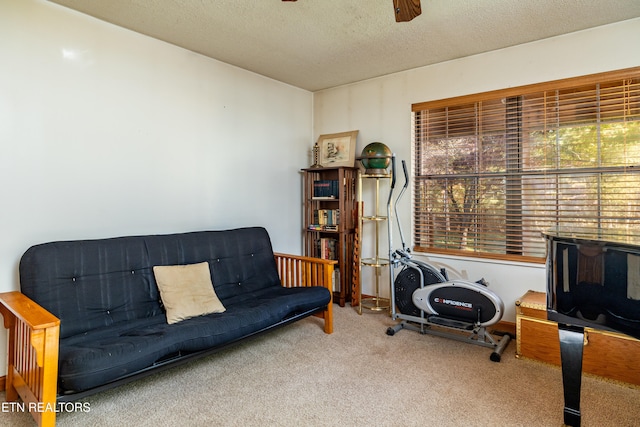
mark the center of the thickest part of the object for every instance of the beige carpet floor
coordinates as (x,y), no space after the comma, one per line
(358,376)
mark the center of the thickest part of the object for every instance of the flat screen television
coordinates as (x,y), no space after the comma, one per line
(593,280)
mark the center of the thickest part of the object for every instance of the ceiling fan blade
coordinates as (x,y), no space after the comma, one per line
(406,10)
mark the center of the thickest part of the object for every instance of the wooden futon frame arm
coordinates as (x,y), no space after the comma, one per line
(32,368)
(299,271)
(32,365)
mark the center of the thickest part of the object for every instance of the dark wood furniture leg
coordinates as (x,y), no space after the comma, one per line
(571,344)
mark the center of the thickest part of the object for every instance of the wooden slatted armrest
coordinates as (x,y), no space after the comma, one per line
(297,271)
(32,366)
(22,307)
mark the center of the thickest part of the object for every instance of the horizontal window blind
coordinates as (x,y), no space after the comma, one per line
(493,171)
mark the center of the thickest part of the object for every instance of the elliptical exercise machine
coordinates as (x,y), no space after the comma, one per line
(428,302)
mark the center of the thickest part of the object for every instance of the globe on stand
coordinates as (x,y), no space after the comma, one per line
(376,158)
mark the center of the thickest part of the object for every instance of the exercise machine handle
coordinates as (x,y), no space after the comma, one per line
(406,174)
(393,171)
(392,186)
(395,207)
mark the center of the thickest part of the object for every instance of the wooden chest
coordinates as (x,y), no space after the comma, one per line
(607,354)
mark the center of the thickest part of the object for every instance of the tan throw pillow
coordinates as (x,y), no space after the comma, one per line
(186,291)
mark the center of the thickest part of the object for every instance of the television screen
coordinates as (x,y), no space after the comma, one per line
(594,281)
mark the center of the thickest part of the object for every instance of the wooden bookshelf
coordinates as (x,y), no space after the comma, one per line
(329,221)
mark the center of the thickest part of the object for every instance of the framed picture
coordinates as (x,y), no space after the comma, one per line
(337,149)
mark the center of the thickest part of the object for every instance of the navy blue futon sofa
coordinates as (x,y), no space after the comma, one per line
(102,300)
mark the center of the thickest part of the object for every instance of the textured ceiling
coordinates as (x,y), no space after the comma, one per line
(318,44)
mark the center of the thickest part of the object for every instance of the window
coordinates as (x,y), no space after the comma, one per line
(494,170)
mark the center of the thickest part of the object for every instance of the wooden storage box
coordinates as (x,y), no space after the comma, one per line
(607,354)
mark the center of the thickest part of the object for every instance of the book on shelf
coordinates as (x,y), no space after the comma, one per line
(326,248)
(326,217)
(335,280)
(325,189)
(318,227)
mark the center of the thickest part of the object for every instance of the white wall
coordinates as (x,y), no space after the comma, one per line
(105,132)
(381,110)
